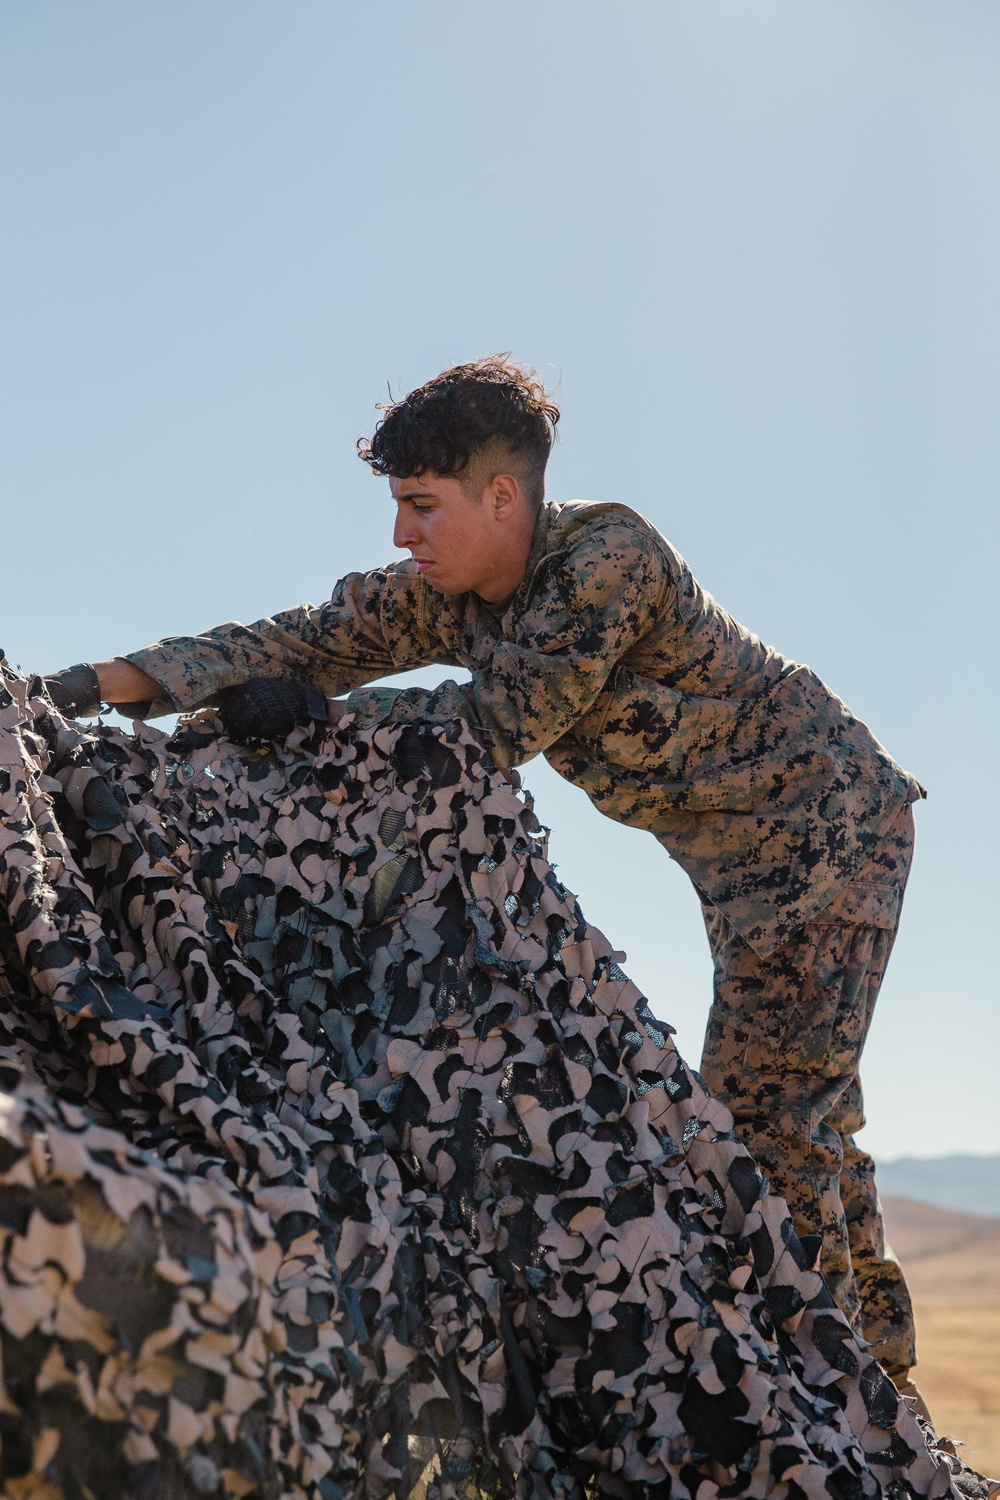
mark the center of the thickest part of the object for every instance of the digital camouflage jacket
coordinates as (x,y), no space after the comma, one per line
(614,663)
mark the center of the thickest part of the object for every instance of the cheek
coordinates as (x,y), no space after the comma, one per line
(478,538)
(447,539)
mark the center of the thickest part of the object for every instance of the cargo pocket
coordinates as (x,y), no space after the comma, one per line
(865,903)
(874,897)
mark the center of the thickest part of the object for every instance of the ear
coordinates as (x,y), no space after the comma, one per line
(505,494)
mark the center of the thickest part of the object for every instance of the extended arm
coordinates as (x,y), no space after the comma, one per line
(80,690)
(374,623)
(121,681)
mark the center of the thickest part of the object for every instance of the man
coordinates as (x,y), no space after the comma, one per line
(589,641)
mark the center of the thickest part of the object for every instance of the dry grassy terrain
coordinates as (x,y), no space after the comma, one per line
(952,1262)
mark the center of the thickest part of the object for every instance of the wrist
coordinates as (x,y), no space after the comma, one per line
(121,681)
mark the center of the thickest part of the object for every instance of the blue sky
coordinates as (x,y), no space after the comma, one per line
(752,246)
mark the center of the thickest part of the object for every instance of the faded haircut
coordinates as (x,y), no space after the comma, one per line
(471,421)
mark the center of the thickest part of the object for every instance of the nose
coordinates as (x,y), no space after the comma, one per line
(404,532)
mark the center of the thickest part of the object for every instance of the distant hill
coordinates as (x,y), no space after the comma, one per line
(970,1184)
(922,1232)
(952,1264)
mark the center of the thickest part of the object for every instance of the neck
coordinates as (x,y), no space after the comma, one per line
(508,573)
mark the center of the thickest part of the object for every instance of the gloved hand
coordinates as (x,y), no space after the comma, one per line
(134,710)
(266,708)
(75,691)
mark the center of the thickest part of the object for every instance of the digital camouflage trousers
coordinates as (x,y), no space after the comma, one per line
(782,1050)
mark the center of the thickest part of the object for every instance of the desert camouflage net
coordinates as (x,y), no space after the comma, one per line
(339,1157)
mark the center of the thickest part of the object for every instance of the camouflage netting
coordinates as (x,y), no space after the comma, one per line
(338,1156)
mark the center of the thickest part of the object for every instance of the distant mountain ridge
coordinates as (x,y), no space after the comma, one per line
(970,1184)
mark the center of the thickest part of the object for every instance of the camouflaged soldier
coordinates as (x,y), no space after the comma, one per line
(589,641)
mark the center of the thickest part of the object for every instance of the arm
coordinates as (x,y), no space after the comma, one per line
(122,682)
(80,690)
(375,623)
(594,604)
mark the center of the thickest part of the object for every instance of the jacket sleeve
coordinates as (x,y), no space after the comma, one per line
(593,605)
(374,623)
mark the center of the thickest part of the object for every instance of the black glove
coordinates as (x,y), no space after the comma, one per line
(76,691)
(134,710)
(266,708)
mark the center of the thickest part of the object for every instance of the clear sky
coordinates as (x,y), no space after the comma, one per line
(752,244)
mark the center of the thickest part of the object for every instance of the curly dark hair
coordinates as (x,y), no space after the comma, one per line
(490,408)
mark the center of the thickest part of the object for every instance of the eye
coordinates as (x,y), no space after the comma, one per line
(422,510)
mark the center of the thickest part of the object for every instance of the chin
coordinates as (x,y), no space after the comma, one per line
(443,585)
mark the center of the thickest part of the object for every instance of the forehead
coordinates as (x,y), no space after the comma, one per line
(426,484)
